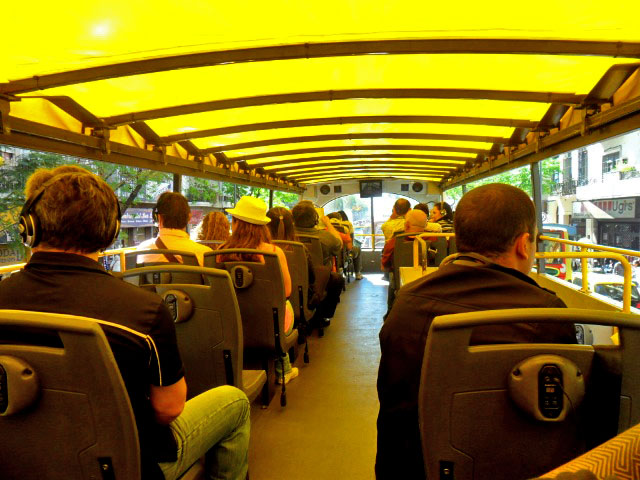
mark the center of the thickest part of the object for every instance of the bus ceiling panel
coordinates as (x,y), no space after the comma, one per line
(443,159)
(235,84)
(354,94)
(434,163)
(386,176)
(369,122)
(355,138)
(191,125)
(115,43)
(290,171)
(346,142)
(261,134)
(381,170)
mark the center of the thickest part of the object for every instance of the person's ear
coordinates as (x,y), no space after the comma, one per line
(523,245)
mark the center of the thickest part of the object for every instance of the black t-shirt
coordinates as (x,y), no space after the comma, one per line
(76,285)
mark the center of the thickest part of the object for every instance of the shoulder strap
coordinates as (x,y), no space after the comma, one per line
(169,256)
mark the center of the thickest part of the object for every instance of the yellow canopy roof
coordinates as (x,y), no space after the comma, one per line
(252,91)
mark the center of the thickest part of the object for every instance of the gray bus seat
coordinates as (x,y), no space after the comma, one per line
(452,246)
(315,249)
(442,250)
(299,272)
(402,256)
(187,258)
(520,404)
(213,244)
(65,411)
(208,327)
(260,292)
(345,261)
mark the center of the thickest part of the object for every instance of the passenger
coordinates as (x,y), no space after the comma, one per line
(356,251)
(305,219)
(172,213)
(415,222)
(215,226)
(281,228)
(431,226)
(396,220)
(64,276)
(249,230)
(443,214)
(336,219)
(489,272)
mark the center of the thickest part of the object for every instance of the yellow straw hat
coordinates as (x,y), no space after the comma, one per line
(251,210)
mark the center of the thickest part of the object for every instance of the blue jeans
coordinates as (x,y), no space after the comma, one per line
(215,424)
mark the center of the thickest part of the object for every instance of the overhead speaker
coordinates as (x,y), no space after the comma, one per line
(417,187)
(325,189)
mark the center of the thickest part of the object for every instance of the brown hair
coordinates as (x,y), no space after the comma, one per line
(489,218)
(281,225)
(215,226)
(245,235)
(304,214)
(66,222)
(174,208)
(402,206)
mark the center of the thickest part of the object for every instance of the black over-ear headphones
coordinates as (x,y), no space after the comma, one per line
(29,224)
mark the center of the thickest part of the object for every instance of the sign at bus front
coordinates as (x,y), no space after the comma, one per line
(603,209)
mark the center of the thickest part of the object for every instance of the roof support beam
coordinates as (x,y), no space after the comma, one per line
(321,50)
(610,123)
(315,122)
(356,157)
(331,95)
(342,148)
(358,163)
(27,134)
(355,136)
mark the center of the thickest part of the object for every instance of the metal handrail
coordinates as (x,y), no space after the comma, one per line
(117,251)
(626,292)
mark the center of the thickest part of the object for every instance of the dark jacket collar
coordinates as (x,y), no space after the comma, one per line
(66,261)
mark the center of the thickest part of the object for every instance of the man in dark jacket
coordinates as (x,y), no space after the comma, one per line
(495,232)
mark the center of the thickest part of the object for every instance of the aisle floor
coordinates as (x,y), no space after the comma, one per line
(328,428)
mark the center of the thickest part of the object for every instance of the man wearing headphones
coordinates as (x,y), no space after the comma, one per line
(69,217)
(172,213)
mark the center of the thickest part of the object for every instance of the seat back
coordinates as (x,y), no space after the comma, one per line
(315,248)
(402,255)
(452,245)
(132,261)
(213,244)
(207,321)
(80,424)
(492,399)
(440,246)
(299,272)
(260,291)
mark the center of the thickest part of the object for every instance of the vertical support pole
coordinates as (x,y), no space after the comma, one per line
(373,228)
(177,182)
(270,199)
(464,188)
(235,194)
(536,186)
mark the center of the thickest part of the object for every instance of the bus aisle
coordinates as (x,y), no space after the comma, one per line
(328,428)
